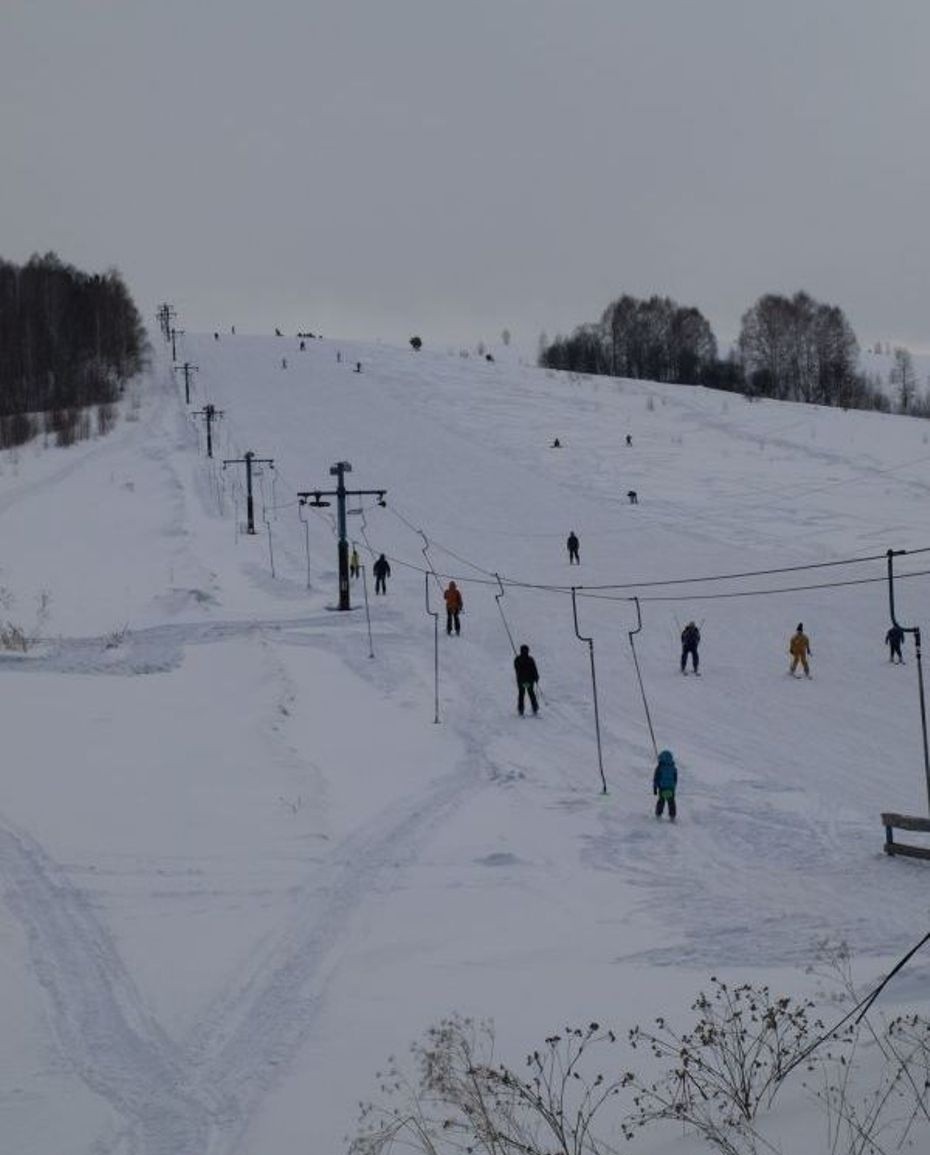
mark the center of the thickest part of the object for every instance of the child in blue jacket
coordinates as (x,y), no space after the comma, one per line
(664,782)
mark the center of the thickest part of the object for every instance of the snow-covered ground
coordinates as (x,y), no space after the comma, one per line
(242,865)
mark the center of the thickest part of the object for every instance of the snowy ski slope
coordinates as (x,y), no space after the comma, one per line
(241,865)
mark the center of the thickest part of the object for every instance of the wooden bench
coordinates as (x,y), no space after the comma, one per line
(894,822)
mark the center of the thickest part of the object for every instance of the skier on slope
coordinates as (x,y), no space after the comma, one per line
(453,600)
(895,639)
(664,784)
(573,545)
(354,563)
(800,650)
(382,571)
(527,677)
(690,637)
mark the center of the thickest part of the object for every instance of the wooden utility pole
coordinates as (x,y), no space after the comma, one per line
(248,460)
(187,368)
(209,413)
(165,313)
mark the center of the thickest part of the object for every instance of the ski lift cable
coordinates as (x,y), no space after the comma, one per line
(593,593)
(642,689)
(652,583)
(735,576)
(499,597)
(434,544)
(597,720)
(429,560)
(858,1011)
(757,592)
(494,578)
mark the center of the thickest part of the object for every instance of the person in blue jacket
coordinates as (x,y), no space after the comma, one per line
(664,782)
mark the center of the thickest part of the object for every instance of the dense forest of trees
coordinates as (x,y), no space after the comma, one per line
(68,340)
(794,348)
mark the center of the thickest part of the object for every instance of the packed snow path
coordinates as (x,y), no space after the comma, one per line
(242,866)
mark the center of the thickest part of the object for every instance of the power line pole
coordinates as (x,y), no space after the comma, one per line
(248,460)
(339,470)
(187,368)
(165,313)
(209,413)
(175,333)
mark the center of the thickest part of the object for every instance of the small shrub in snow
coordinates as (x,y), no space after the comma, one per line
(463,1099)
(576,1095)
(416,344)
(727,1068)
(115,638)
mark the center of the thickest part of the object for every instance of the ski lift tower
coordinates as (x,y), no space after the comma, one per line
(339,470)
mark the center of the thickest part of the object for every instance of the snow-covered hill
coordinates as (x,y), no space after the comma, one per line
(242,864)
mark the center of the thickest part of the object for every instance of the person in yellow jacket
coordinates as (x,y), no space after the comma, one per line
(800,649)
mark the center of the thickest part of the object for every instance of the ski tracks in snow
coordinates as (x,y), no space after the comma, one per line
(103,1027)
(199,1096)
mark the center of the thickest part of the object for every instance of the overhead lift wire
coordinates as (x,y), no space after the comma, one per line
(493,577)
(598,592)
(756,593)
(594,593)
(735,576)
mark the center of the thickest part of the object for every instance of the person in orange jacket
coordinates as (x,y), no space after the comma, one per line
(453,597)
(800,649)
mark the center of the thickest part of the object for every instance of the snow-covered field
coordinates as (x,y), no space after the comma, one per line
(242,865)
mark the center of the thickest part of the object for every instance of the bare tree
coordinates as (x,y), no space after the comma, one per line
(799,349)
(903,377)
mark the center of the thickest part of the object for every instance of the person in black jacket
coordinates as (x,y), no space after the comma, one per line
(527,677)
(690,637)
(382,571)
(895,639)
(573,544)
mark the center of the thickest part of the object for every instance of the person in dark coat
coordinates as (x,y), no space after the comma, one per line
(453,599)
(664,784)
(573,545)
(690,637)
(382,572)
(527,677)
(895,639)
(355,564)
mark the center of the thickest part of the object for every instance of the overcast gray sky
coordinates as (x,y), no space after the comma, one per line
(375,168)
